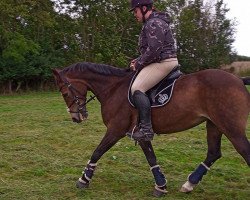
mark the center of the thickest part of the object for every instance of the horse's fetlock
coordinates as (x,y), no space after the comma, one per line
(160,191)
(160,179)
(88,172)
(197,175)
(82,183)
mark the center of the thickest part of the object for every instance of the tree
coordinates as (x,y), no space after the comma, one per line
(27,48)
(223,30)
(18,59)
(38,35)
(204,38)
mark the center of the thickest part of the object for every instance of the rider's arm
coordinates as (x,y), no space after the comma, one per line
(155,35)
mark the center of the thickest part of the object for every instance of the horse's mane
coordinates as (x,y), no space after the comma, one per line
(96,68)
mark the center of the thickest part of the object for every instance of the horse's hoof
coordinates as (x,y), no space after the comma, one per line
(159,192)
(81,184)
(187,187)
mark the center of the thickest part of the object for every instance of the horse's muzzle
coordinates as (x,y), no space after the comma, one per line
(77,120)
(80,117)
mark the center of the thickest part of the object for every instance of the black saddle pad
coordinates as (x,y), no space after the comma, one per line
(161,93)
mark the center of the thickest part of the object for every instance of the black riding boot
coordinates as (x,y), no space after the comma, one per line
(145,131)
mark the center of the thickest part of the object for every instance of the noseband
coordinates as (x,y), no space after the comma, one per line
(81,107)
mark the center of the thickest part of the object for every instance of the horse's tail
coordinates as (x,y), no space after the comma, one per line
(246,80)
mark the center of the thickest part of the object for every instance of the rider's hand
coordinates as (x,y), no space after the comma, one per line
(132,65)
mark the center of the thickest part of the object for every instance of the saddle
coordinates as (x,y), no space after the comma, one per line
(161,93)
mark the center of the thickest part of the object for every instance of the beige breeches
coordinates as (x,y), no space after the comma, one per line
(152,74)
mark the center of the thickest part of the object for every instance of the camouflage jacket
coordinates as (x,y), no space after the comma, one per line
(156,41)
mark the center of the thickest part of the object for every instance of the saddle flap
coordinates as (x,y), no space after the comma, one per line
(161,93)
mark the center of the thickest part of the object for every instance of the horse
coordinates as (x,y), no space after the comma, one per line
(213,96)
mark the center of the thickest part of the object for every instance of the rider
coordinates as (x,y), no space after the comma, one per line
(157,59)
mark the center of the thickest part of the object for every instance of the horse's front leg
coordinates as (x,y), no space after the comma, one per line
(107,142)
(160,180)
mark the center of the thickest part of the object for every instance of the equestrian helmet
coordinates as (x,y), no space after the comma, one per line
(137,3)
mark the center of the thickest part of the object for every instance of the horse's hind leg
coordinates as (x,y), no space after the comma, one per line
(213,154)
(213,143)
(240,143)
(160,181)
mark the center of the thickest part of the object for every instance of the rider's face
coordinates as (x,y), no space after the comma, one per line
(138,14)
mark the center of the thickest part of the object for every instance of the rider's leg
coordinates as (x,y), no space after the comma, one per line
(148,77)
(152,74)
(142,103)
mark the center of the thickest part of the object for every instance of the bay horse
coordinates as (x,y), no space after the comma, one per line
(213,96)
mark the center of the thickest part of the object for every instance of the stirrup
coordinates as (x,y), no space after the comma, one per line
(130,134)
(141,137)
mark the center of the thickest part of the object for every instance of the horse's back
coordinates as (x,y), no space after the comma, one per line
(218,78)
(213,80)
(222,84)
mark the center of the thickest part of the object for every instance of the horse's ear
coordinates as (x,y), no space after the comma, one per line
(56,73)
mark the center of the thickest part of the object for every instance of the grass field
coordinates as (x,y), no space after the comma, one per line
(42,154)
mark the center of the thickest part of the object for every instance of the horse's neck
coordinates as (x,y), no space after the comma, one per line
(104,86)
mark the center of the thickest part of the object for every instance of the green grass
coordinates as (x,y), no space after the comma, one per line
(42,154)
(244,73)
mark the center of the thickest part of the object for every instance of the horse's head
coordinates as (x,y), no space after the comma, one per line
(74,93)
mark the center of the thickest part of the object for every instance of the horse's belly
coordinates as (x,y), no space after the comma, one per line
(173,125)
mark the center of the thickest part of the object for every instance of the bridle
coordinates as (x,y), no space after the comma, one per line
(81,107)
